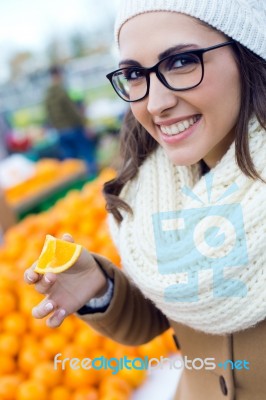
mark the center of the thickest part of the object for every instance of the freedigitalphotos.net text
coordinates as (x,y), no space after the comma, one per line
(138,363)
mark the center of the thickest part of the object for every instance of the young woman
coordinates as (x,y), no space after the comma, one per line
(187,208)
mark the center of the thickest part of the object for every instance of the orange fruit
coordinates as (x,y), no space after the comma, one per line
(156,348)
(15,323)
(60,393)
(8,386)
(29,356)
(39,328)
(120,351)
(135,377)
(72,350)
(57,255)
(32,361)
(7,302)
(9,344)
(116,384)
(88,339)
(28,340)
(109,345)
(114,395)
(6,282)
(54,343)
(86,393)
(31,390)
(7,364)
(45,373)
(75,378)
(68,328)
(98,355)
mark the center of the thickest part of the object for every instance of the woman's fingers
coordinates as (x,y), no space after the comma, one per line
(67,237)
(30,276)
(44,308)
(56,319)
(61,290)
(45,284)
(42,282)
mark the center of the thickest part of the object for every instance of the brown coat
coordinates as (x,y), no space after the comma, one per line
(132,319)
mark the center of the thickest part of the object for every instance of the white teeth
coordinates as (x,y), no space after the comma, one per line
(186,124)
(179,126)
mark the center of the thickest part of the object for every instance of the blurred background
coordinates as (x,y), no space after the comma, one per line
(47,188)
(76,35)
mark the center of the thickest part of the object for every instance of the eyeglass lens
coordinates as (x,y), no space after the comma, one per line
(179,72)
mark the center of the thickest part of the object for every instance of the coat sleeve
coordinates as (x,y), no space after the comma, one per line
(130,319)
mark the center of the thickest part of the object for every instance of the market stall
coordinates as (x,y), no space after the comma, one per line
(27,346)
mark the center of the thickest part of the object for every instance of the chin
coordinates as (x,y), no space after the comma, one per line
(183,161)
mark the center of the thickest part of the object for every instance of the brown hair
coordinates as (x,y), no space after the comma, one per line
(136,143)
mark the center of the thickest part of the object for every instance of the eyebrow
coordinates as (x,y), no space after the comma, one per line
(177,49)
(129,62)
(172,50)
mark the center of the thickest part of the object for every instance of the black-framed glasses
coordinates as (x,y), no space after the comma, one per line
(181,71)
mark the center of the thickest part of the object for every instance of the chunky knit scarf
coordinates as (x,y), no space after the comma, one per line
(196,245)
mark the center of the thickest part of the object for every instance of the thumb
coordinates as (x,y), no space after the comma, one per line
(67,237)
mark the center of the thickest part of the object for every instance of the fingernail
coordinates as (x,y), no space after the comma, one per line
(66,234)
(49,307)
(29,278)
(61,313)
(67,237)
(47,279)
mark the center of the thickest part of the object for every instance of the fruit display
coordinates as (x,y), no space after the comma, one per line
(27,346)
(49,173)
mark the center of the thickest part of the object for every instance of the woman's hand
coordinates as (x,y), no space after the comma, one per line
(68,291)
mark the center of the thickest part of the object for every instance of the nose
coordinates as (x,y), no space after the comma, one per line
(160,98)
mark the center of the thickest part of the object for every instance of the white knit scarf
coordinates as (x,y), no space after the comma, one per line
(199,256)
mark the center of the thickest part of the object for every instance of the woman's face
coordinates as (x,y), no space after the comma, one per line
(210,110)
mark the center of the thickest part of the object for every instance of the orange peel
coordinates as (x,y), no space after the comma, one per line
(57,255)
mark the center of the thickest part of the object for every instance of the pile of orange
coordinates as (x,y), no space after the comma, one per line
(48,174)
(27,345)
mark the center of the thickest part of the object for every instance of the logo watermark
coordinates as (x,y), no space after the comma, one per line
(196,239)
(117,364)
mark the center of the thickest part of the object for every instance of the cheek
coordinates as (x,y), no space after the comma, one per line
(219,102)
(223,91)
(140,112)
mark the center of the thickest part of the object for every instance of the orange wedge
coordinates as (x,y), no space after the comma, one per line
(57,255)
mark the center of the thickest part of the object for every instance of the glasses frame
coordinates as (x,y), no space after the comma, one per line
(155,68)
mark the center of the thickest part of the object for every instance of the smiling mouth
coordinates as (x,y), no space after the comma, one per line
(179,127)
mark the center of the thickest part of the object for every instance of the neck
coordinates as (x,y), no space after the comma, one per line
(215,155)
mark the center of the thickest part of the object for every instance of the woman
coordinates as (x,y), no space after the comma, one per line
(186,209)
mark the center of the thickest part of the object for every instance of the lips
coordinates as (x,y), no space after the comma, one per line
(180,126)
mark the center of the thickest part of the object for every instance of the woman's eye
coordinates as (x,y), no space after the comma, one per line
(131,74)
(183,61)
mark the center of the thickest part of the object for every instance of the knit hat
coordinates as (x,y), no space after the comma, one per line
(242,20)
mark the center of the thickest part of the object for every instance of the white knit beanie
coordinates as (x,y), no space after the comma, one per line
(242,20)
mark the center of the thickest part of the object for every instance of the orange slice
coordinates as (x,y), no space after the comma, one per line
(57,255)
